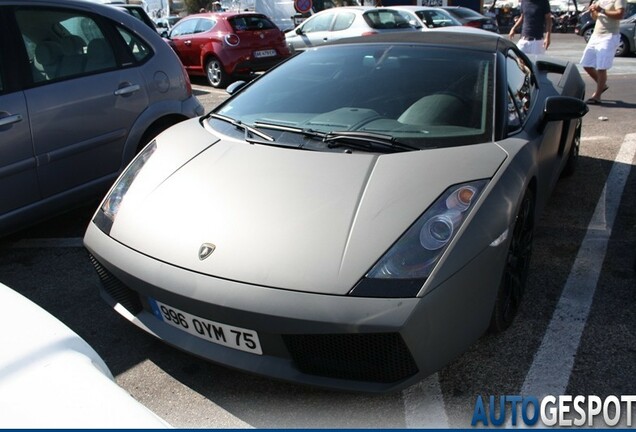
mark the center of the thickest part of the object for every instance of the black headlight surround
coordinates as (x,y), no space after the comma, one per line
(103,222)
(387,288)
(430,236)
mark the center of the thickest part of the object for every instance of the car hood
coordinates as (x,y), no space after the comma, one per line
(286,218)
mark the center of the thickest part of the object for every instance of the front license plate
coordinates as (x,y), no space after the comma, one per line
(218,333)
(265,53)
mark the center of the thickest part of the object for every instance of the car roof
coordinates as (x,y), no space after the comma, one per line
(350,8)
(414,8)
(110,10)
(223,14)
(449,37)
(105,9)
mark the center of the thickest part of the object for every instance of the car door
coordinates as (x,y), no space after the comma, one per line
(313,32)
(18,175)
(84,97)
(522,95)
(182,40)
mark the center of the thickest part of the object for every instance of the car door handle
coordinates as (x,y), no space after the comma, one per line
(10,119)
(127,90)
(187,42)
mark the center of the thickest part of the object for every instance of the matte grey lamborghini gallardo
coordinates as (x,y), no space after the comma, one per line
(353,219)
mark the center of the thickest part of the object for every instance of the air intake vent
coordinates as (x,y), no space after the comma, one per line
(372,357)
(116,289)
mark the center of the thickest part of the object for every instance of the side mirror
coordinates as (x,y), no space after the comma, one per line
(165,34)
(235,86)
(299,31)
(562,108)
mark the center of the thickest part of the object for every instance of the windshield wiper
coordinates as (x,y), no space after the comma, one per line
(365,141)
(306,132)
(246,128)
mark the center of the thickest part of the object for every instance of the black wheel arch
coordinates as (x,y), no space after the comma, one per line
(157,127)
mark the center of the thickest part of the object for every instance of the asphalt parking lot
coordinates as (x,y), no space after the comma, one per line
(575,334)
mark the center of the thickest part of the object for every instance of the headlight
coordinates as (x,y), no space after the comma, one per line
(403,269)
(110,206)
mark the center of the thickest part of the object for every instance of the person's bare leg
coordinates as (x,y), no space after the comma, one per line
(601,82)
(592,72)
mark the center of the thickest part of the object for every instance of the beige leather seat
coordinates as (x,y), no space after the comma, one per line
(435,109)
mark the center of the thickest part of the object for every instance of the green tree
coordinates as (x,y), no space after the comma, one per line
(193,6)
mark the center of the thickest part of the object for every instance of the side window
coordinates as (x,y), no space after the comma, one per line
(66,44)
(343,21)
(385,19)
(319,23)
(184,27)
(439,19)
(139,50)
(204,25)
(514,120)
(427,18)
(519,87)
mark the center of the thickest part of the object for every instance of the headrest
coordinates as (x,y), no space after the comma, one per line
(48,52)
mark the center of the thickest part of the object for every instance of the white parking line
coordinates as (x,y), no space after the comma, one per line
(561,340)
(424,405)
(201,88)
(594,138)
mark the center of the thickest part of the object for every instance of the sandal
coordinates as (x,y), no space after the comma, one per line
(592,101)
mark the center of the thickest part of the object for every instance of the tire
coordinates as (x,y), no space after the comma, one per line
(573,156)
(515,274)
(215,73)
(623,47)
(587,33)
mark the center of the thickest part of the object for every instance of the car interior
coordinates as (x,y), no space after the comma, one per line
(61,45)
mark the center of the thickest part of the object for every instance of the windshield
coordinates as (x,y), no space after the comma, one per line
(421,96)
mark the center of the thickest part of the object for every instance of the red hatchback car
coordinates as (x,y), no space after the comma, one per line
(227,45)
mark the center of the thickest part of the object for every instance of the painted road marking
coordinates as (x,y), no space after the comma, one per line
(424,405)
(562,338)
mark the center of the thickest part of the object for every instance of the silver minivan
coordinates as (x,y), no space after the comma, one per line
(83,87)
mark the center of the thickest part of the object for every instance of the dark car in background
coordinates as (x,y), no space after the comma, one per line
(471,18)
(627,45)
(227,45)
(83,87)
(138,12)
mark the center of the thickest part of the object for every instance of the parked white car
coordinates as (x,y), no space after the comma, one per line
(345,22)
(51,378)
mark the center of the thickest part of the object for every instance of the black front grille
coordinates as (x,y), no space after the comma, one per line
(116,288)
(372,357)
